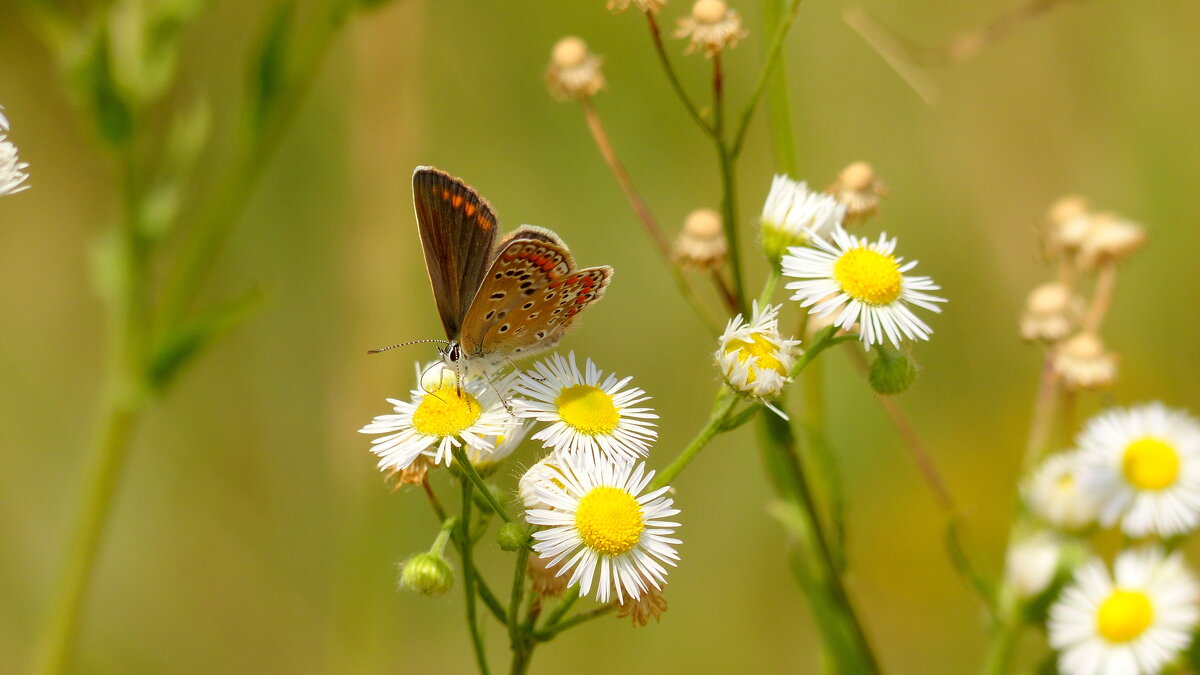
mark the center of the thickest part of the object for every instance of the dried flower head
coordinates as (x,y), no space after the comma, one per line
(651,605)
(701,243)
(1083,363)
(574,72)
(1069,220)
(859,190)
(1110,239)
(546,583)
(647,6)
(1052,313)
(413,474)
(711,27)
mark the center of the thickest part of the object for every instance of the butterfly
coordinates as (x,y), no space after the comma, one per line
(497,300)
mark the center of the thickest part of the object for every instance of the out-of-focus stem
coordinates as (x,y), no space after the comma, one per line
(773,51)
(1102,297)
(725,402)
(665,60)
(641,210)
(779,118)
(1043,412)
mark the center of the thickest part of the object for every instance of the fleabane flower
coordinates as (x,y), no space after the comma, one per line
(1136,621)
(437,419)
(12,169)
(1056,494)
(865,283)
(589,413)
(713,26)
(792,215)
(1143,464)
(754,359)
(487,461)
(602,529)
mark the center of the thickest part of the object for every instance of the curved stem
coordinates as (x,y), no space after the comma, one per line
(665,60)
(464,465)
(725,402)
(469,572)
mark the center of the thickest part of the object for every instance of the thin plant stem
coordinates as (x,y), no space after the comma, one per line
(564,606)
(726,160)
(773,53)
(661,50)
(724,290)
(59,633)
(779,117)
(434,502)
(583,617)
(769,286)
(641,210)
(1043,412)
(469,573)
(1102,297)
(464,465)
(725,402)
(998,660)
(518,641)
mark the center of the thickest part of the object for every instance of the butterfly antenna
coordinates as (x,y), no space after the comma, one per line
(405,344)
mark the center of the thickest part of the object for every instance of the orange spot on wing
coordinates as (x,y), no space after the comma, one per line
(470,210)
(457,201)
(445,194)
(484,222)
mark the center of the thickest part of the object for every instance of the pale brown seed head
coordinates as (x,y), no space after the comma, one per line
(712,27)
(860,190)
(701,243)
(574,72)
(1082,362)
(1051,313)
(650,605)
(1110,238)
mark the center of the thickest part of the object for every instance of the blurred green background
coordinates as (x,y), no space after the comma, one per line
(253,532)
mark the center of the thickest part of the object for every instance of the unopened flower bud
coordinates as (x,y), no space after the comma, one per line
(574,72)
(1031,563)
(701,244)
(512,537)
(890,373)
(793,215)
(711,27)
(428,573)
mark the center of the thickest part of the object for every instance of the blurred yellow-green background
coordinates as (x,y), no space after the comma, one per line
(253,532)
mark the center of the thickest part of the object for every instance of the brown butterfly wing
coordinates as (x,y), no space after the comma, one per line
(458,229)
(529,298)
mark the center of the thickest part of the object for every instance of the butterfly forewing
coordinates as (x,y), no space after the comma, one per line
(458,229)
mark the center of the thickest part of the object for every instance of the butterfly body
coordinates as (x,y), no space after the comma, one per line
(498,300)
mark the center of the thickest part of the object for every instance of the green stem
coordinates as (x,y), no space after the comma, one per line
(725,402)
(778,109)
(564,605)
(469,573)
(773,52)
(519,642)
(998,660)
(464,465)
(726,161)
(548,634)
(770,284)
(59,632)
(812,561)
(661,50)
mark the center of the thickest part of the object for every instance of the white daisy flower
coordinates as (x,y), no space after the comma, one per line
(754,359)
(1143,464)
(438,419)
(589,413)
(487,461)
(866,282)
(1135,623)
(793,215)
(12,169)
(1056,494)
(546,475)
(602,529)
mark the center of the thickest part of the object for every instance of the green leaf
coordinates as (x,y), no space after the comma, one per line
(269,74)
(184,342)
(94,81)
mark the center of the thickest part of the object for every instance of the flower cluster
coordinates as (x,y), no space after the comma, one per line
(1136,469)
(598,519)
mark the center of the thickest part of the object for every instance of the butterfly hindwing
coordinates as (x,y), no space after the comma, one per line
(458,230)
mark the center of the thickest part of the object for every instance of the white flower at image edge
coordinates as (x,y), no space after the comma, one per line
(1136,621)
(603,530)
(865,283)
(1142,464)
(433,422)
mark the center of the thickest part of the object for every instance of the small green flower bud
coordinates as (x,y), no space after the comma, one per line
(512,536)
(890,373)
(428,573)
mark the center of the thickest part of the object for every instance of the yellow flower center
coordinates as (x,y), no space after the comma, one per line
(1150,464)
(588,409)
(765,354)
(446,412)
(1124,615)
(868,276)
(609,520)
